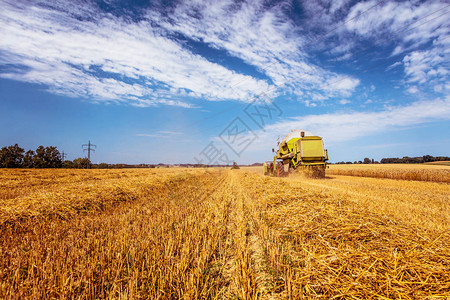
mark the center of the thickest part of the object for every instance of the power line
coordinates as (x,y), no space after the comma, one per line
(63,156)
(89,148)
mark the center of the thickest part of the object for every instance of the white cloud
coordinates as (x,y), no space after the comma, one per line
(346,84)
(397,50)
(438,88)
(413,90)
(324,15)
(78,50)
(343,126)
(429,25)
(393,66)
(109,58)
(344,101)
(428,66)
(265,38)
(170,132)
(392,16)
(160,134)
(309,103)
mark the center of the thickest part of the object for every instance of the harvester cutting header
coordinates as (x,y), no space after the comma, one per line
(299,150)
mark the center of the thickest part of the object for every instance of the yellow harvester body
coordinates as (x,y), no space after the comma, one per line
(299,149)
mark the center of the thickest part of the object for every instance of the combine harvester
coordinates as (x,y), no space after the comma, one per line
(299,150)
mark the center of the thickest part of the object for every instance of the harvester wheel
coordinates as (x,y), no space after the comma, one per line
(291,170)
(280,170)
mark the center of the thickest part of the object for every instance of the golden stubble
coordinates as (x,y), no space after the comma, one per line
(220,234)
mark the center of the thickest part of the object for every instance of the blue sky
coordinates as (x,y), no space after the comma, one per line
(176,82)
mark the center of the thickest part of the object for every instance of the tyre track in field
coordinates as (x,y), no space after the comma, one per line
(237,267)
(246,267)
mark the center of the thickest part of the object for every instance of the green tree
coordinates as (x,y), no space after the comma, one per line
(11,157)
(367,160)
(68,164)
(39,158)
(102,166)
(47,157)
(28,159)
(81,163)
(54,157)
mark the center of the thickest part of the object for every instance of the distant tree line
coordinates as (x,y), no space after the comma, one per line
(404,160)
(42,157)
(414,160)
(50,157)
(365,161)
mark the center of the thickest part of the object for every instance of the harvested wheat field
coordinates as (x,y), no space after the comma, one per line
(223,234)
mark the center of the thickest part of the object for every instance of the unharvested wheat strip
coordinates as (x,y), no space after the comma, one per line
(229,270)
(246,273)
(419,172)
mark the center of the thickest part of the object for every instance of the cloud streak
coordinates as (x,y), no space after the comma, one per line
(265,38)
(109,59)
(343,126)
(78,50)
(430,25)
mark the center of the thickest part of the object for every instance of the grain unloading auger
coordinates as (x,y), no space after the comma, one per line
(299,150)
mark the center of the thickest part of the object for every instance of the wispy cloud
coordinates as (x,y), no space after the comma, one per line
(343,126)
(388,23)
(160,134)
(262,37)
(393,66)
(109,58)
(81,51)
(77,49)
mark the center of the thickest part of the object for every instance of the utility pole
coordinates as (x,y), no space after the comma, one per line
(63,156)
(89,147)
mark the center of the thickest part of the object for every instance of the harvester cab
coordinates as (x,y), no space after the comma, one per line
(299,150)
